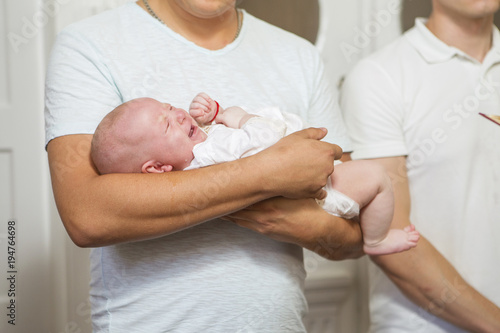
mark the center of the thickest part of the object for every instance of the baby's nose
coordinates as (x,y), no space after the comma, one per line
(180,115)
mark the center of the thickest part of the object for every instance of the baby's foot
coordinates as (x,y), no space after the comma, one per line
(397,240)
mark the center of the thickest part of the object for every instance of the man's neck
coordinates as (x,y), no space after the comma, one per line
(213,31)
(472,36)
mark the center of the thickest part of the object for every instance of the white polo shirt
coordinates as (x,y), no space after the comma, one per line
(420,98)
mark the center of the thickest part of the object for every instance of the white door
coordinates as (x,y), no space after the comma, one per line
(25,229)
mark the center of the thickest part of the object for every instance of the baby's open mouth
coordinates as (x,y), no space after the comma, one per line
(191,131)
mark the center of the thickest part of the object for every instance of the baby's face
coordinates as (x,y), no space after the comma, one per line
(175,134)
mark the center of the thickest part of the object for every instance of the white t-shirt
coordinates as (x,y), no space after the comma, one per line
(420,98)
(216,277)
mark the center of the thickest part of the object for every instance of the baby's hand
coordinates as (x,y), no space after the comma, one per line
(203,109)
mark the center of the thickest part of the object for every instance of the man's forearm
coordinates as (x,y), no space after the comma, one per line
(103,210)
(425,276)
(304,223)
(430,281)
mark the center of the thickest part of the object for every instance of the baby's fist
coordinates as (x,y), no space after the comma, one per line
(203,109)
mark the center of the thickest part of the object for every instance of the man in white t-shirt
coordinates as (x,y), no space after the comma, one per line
(162,259)
(414,107)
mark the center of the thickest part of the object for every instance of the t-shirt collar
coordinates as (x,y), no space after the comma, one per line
(433,50)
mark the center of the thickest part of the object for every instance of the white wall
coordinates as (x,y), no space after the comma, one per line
(26,280)
(350,30)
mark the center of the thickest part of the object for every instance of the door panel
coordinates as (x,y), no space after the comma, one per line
(25,295)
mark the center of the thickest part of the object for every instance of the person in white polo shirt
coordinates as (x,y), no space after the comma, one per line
(414,107)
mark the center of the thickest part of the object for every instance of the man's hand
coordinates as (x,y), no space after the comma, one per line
(298,165)
(303,222)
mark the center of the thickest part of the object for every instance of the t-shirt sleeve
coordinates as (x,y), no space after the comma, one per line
(324,110)
(79,90)
(373,110)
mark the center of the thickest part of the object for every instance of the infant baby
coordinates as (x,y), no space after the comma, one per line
(145,135)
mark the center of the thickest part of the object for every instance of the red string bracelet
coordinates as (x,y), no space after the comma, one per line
(216,112)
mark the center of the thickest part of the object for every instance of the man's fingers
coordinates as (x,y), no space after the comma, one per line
(242,215)
(242,222)
(321,194)
(318,133)
(338,152)
(313,133)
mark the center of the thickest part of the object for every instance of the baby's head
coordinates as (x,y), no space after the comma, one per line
(145,135)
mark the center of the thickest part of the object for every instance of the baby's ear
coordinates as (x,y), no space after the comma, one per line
(153,166)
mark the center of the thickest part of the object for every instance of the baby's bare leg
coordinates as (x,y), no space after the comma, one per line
(367,183)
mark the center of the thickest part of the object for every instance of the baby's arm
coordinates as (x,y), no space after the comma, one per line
(205,110)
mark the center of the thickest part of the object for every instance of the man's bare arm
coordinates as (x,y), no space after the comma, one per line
(303,222)
(100,210)
(424,275)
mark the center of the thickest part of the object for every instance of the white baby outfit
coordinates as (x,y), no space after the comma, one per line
(225,144)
